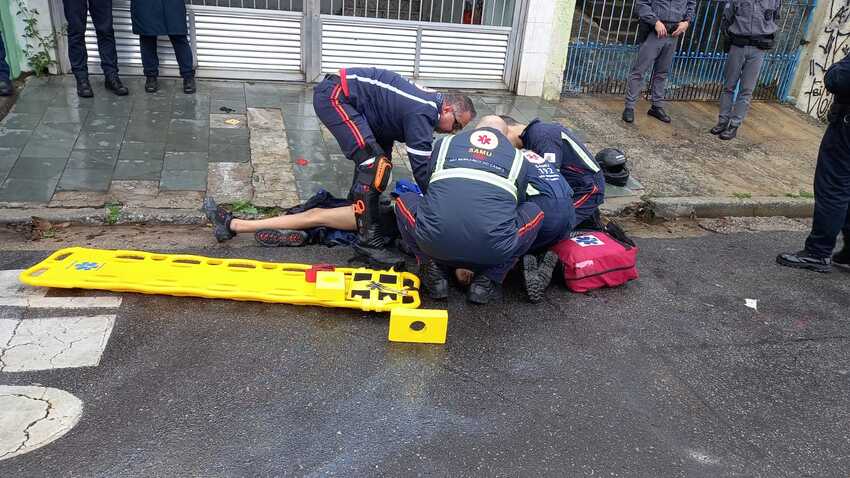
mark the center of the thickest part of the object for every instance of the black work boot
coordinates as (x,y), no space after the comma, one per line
(719,127)
(114,85)
(6,88)
(729,133)
(483,290)
(538,275)
(841,259)
(629,115)
(151,84)
(434,279)
(220,220)
(189,86)
(804,260)
(84,88)
(658,113)
(370,244)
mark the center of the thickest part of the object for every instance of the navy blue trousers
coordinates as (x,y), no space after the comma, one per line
(559,219)
(529,218)
(101,15)
(832,190)
(4,66)
(182,50)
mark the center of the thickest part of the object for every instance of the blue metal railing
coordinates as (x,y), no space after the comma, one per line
(603,48)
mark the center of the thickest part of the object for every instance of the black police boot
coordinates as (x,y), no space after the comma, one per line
(841,258)
(719,127)
(281,237)
(84,88)
(658,113)
(220,220)
(483,290)
(151,84)
(114,85)
(189,86)
(629,115)
(6,88)
(370,244)
(804,260)
(729,133)
(537,276)
(435,280)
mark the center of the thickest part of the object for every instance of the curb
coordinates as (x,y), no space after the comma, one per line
(713,207)
(98,216)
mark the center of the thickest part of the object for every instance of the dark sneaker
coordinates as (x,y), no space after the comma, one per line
(629,115)
(729,133)
(6,88)
(658,113)
(281,237)
(114,85)
(151,84)
(804,260)
(841,259)
(84,88)
(719,127)
(189,86)
(483,290)
(220,220)
(435,280)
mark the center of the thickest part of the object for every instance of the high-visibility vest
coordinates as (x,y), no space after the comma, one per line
(506,183)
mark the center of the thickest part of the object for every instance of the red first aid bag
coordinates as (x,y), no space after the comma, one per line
(595,259)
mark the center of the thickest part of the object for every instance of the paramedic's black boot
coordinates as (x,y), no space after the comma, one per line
(220,220)
(537,276)
(370,245)
(483,290)
(434,279)
(804,260)
(841,259)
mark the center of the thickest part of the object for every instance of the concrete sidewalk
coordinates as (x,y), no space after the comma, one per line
(68,157)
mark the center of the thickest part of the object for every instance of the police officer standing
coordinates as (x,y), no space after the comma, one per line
(473,214)
(101,15)
(749,27)
(832,183)
(661,23)
(367,110)
(6,88)
(152,18)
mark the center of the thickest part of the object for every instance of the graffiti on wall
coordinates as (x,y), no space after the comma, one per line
(833,43)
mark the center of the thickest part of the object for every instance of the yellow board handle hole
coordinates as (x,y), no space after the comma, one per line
(417,326)
(38,272)
(62,256)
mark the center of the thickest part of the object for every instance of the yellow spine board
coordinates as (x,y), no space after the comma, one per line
(234,279)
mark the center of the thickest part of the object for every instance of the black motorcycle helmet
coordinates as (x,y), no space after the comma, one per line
(613,163)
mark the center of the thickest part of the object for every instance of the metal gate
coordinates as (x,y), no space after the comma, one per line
(447,43)
(603,48)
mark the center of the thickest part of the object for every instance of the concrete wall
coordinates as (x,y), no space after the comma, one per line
(829,42)
(544,48)
(13,31)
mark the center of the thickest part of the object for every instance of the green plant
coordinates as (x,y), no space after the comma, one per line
(742,195)
(806,194)
(38,45)
(243,207)
(113,212)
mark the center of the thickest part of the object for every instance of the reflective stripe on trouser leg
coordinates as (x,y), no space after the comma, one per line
(349,128)
(406,206)
(529,219)
(832,190)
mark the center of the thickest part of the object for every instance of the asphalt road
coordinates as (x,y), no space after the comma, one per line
(669,376)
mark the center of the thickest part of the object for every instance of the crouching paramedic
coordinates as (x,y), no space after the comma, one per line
(473,213)
(367,110)
(548,189)
(560,146)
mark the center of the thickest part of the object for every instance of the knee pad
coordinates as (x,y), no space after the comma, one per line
(373,171)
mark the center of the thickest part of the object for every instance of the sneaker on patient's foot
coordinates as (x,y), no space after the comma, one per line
(281,237)
(220,220)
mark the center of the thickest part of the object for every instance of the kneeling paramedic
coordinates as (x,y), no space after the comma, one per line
(367,110)
(548,189)
(561,147)
(473,213)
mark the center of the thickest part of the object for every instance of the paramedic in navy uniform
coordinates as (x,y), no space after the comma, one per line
(367,110)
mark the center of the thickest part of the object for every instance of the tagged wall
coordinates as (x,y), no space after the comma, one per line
(831,44)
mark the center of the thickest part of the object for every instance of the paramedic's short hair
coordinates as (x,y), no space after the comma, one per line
(509,120)
(461,104)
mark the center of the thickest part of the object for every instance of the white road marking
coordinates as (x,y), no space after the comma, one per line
(13,293)
(31,417)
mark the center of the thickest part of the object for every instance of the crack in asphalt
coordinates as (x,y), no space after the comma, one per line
(26,430)
(7,347)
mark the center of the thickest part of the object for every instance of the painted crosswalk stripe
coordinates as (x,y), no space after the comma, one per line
(15,294)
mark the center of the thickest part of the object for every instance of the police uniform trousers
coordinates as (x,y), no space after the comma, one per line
(656,53)
(101,15)
(832,189)
(743,64)
(529,221)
